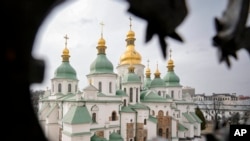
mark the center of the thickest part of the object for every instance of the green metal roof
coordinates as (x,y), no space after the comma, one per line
(77,115)
(101,65)
(65,71)
(188,117)
(157,82)
(131,77)
(147,82)
(115,137)
(126,109)
(171,79)
(196,117)
(96,138)
(138,106)
(120,93)
(151,96)
(153,119)
(181,127)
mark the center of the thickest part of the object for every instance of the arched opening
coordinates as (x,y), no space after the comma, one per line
(100,86)
(160,132)
(69,87)
(113,116)
(94,117)
(145,121)
(125,102)
(110,87)
(167,134)
(130,94)
(59,87)
(160,113)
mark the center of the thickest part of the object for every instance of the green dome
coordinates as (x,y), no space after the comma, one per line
(96,138)
(157,82)
(101,65)
(147,82)
(115,137)
(131,77)
(171,79)
(120,93)
(66,71)
(152,96)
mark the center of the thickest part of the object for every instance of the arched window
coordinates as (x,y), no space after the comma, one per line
(137,95)
(167,134)
(160,113)
(75,88)
(125,102)
(113,116)
(172,94)
(130,94)
(94,117)
(69,87)
(125,90)
(59,87)
(100,86)
(167,113)
(160,132)
(159,93)
(145,121)
(53,88)
(153,112)
(110,87)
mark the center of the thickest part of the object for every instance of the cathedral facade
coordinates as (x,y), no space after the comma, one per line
(127,105)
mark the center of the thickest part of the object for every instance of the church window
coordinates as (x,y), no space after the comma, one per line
(125,90)
(130,94)
(100,86)
(159,93)
(125,102)
(153,112)
(167,133)
(75,88)
(94,117)
(172,94)
(160,132)
(137,95)
(59,87)
(69,87)
(110,87)
(167,113)
(113,116)
(160,113)
(145,121)
(53,88)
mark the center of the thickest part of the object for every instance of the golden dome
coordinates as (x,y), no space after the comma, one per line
(170,65)
(101,42)
(130,34)
(130,56)
(66,51)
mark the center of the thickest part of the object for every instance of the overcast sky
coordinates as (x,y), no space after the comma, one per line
(196,60)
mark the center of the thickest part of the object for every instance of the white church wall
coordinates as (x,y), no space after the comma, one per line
(151,127)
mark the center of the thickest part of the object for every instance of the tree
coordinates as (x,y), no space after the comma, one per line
(164,16)
(199,113)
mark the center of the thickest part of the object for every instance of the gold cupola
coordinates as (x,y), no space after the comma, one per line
(157,72)
(101,42)
(170,65)
(130,55)
(65,54)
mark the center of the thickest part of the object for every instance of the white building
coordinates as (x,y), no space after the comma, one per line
(224,105)
(123,106)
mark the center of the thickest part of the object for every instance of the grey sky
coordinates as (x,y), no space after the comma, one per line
(196,60)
